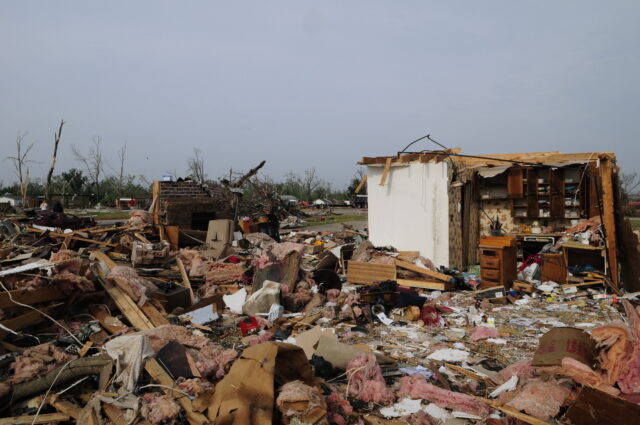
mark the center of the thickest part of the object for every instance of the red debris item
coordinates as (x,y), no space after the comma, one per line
(431,317)
(248,325)
(233,259)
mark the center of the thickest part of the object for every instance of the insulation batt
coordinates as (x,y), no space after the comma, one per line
(540,399)
(366,382)
(295,392)
(520,369)
(66,260)
(338,408)
(138,219)
(194,386)
(418,418)
(210,358)
(484,332)
(276,252)
(69,282)
(33,362)
(160,409)
(581,373)
(616,349)
(629,380)
(133,285)
(333,295)
(219,274)
(416,386)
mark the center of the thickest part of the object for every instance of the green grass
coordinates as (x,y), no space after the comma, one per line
(111,215)
(331,219)
(635,224)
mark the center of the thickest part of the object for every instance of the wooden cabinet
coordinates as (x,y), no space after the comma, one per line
(515,184)
(498,261)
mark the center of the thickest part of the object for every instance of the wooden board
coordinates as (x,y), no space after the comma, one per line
(30,297)
(25,320)
(41,419)
(608,217)
(436,286)
(159,375)
(385,173)
(423,271)
(361,184)
(368,273)
(593,406)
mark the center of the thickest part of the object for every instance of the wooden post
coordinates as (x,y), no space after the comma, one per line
(608,217)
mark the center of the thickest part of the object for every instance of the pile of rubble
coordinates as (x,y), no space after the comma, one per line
(109,325)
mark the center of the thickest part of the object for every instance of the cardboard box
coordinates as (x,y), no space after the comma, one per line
(559,343)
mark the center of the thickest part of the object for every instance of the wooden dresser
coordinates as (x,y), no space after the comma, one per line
(498,261)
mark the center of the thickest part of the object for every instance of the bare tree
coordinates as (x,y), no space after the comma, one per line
(56,138)
(93,163)
(121,158)
(629,183)
(20,164)
(310,182)
(196,166)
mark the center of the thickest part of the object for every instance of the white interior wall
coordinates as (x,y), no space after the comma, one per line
(411,211)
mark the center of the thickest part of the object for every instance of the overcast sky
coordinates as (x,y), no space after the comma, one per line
(319,84)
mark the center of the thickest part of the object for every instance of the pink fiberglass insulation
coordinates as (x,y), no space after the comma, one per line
(69,282)
(629,380)
(581,373)
(365,380)
(416,386)
(614,341)
(160,409)
(338,409)
(275,253)
(260,338)
(333,295)
(540,399)
(296,301)
(33,362)
(194,386)
(66,260)
(484,332)
(210,359)
(298,391)
(522,368)
(138,219)
(219,274)
(133,285)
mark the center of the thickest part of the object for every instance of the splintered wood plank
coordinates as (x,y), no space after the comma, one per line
(608,217)
(65,407)
(423,271)
(142,319)
(361,184)
(185,279)
(385,173)
(41,419)
(436,286)
(159,375)
(30,297)
(368,273)
(25,320)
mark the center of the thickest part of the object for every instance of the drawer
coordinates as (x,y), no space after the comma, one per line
(489,284)
(490,262)
(490,274)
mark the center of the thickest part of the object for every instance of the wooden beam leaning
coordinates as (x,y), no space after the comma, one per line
(423,271)
(385,173)
(159,375)
(131,311)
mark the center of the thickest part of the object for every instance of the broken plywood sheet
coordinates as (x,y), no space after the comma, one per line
(368,273)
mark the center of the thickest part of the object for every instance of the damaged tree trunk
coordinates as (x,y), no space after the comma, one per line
(53,160)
